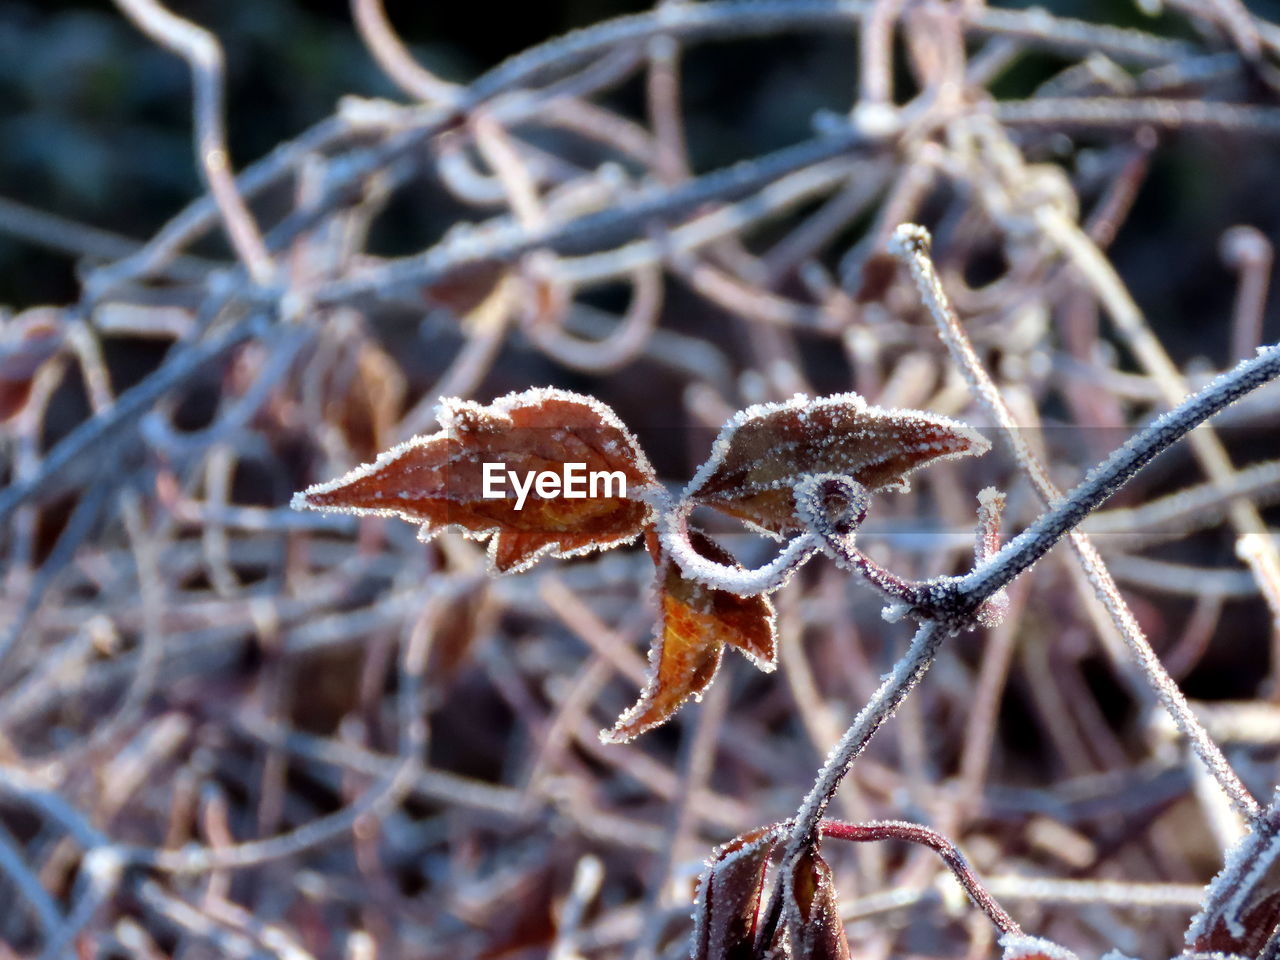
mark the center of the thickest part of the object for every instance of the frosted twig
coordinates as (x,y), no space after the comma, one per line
(662,92)
(1131,324)
(949,853)
(674,530)
(875,48)
(128,407)
(58,233)
(912,244)
(731,19)
(100,873)
(623,222)
(27,885)
(697,755)
(1091,112)
(621,346)
(203,213)
(376,802)
(906,673)
(203,54)
(1188,510)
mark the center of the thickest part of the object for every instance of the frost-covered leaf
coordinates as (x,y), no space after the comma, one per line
(697,622)
(1018,946)
(813,912)
(764,450)
(728,904)
(1241,913)
(1245,934)
(439,480)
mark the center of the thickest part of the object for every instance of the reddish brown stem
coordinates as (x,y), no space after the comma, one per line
(948,851)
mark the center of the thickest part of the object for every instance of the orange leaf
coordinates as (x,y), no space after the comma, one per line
(439,480)
(728,906)
(815,929)
(697,622)
(765,449)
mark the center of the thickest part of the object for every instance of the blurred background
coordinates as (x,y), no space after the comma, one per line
(185,661)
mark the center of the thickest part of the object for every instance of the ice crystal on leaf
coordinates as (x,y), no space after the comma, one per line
(697,622)
(1241,913)
(814,925)
(766,449)
(1018,946)
(728,904)
(438,480)
(804,465)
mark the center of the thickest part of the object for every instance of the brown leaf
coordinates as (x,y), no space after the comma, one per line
(467,287)
(878,273)
(1241,913)
(728,904)
(368,399)
(438,480)
(697,622)
(813,916)
(765,449)
(1247,933)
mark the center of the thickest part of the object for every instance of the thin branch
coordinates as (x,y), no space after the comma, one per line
(1066,513)
(906,673)
(203,54)
(951,856)
(395,59)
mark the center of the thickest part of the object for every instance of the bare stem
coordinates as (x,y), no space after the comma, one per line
(203,54)
(956,861)
(912,242)
(906,673)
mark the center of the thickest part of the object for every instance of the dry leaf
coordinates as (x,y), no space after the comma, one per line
(697,622)
(813,914)
(367,400)
(1242,907)
(1018,946)
(764,450)
(1255,927)
(438,480)
(466,287)
(728,904)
